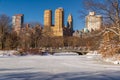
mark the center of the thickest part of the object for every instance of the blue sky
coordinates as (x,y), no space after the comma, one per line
(33,10)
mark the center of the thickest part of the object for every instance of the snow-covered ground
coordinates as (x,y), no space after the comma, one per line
(57,68)
(8,52)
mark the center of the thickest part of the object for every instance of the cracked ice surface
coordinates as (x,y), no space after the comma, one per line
(57,68)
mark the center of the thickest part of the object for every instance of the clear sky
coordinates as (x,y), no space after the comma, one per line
(33,10)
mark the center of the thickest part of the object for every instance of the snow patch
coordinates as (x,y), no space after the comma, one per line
(116,62)
(112,60)
(92,54)
(8,52)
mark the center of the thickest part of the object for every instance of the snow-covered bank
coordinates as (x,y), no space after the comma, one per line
(8,52)
(115,59)
(93,54)
(112,61)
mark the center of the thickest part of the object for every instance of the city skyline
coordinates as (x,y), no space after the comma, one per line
(34,10)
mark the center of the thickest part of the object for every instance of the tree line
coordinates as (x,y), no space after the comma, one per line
(36,38)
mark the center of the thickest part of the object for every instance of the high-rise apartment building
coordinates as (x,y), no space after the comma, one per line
(59,22)
(59,17)
(17,22)
(93,21)
(47,18)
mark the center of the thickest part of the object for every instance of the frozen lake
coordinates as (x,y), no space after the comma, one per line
(57,68)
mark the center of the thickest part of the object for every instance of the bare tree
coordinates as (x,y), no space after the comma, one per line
(110,9)
(37,35)
(4,29)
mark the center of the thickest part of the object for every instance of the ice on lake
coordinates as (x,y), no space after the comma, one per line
(75,67)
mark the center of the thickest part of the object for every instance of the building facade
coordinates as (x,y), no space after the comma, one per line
(59,28)
(17,22)
(47,18)
(93,21)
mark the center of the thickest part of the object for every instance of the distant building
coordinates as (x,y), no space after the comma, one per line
(28,30)
(17,22)
(58,29)
(78,33)
(93,21)
(70,24)
(85,30)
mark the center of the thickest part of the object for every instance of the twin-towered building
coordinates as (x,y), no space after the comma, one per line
(58,29)
(53,30)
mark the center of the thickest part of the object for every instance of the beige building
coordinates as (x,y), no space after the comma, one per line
(93,21)
(58,29)
(47,18)
(17,22)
